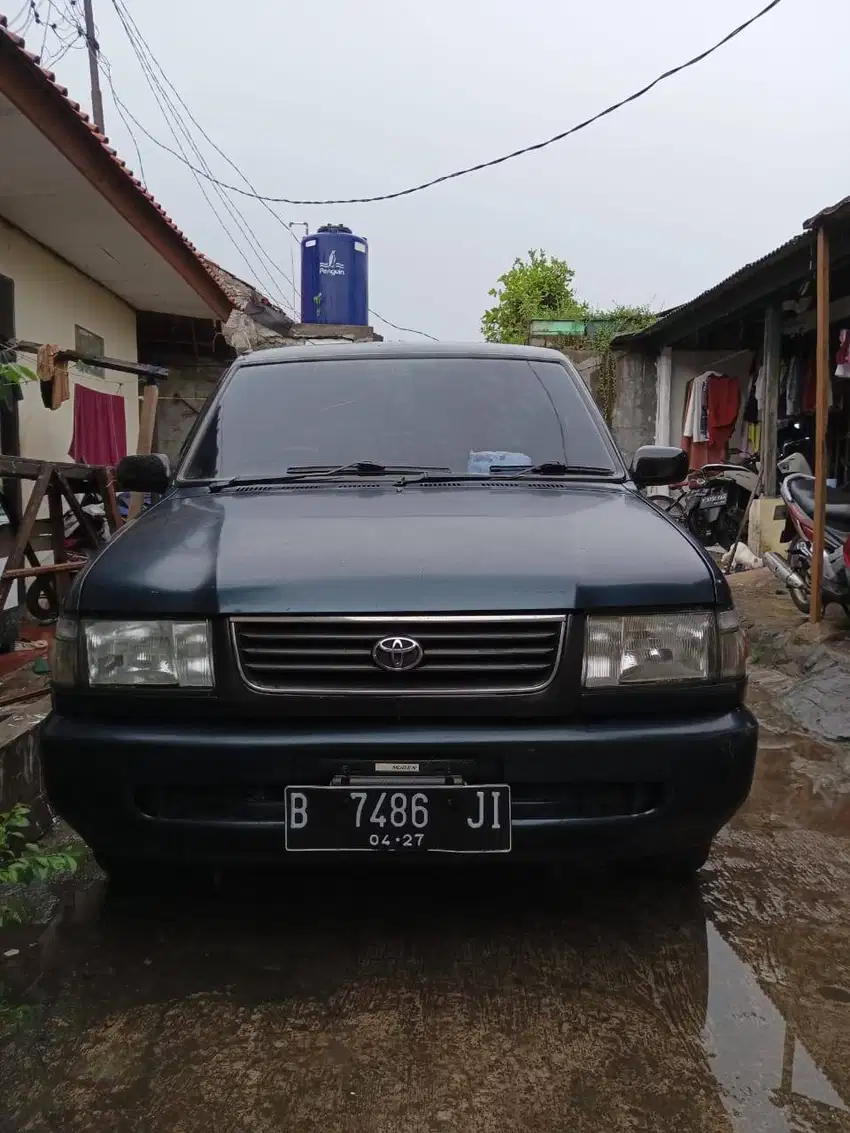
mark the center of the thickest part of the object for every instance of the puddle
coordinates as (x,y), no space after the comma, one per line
(762,1067)
(345,999)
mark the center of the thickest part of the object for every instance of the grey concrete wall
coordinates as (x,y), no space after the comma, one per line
(181,398)
(20,767)
(633,420)
(633,417)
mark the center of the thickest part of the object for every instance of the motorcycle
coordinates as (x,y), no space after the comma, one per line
(718,495)
(794,569)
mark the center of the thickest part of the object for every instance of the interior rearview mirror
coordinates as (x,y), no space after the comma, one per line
(149,473)
(659,465)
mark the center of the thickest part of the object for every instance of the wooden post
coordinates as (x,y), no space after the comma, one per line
(821,413)
(147,421)
(770,415)
(25,527)
(57,537)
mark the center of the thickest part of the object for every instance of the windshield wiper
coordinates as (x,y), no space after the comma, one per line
(325,471)
(549,468)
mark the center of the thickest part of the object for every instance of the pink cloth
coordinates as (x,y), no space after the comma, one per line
(100,427)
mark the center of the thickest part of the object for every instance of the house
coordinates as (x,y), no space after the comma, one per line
(196,361)
(760,327)
(85,252)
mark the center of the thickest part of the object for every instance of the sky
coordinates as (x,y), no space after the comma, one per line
(663,199)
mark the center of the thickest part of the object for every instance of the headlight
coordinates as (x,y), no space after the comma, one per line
(161,654)
(653,649)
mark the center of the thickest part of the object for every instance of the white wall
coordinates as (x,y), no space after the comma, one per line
(51,298)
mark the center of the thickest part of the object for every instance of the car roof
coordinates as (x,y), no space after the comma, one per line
(326,351)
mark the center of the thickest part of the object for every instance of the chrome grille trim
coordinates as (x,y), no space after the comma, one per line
(520,652)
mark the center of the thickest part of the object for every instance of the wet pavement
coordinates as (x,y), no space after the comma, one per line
(397,1002)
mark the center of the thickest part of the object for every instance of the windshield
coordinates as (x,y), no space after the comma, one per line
(462,415)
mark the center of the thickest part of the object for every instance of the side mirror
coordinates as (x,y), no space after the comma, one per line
(659,465)
(150,473)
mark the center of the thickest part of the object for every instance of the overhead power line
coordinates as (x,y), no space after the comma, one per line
(407,330)
(142,49)
(262,264)
(483,164)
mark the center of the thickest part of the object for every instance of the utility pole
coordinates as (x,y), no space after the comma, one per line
(94,70)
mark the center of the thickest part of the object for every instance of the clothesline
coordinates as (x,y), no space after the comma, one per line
(28,354)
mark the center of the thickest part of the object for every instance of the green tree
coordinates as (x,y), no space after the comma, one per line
(537,288)
(541,287)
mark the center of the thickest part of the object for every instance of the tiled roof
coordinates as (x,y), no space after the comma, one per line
(237,290)
(50,78)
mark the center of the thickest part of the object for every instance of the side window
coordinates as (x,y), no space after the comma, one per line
(86,342)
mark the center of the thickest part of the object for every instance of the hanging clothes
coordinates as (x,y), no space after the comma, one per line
(53,380)
(696,424)
(842,368)
(810,389)
(723,400)
(100,427)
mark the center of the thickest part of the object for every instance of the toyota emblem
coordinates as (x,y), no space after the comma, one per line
(397,654)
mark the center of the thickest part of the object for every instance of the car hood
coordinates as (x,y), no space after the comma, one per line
(338,550)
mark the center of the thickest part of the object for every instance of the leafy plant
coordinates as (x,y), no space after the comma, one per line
(12,377)
(537,288)
(541,287)
(16,373)
(22,862)
(606,326)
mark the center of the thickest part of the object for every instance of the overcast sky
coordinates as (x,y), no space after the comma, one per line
(652,205)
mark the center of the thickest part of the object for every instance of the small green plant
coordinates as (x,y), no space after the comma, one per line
(22,862)
(12,377)
(16,372)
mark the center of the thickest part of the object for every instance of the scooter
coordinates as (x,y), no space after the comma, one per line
(794,569)
(719,494)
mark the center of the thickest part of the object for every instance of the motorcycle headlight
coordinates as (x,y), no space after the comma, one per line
(148,654)
(655,649)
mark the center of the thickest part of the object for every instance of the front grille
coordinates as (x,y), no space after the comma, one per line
(487,654)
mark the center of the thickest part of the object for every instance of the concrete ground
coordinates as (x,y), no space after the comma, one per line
(387,1002)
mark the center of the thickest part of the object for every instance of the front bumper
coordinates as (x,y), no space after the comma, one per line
(598,791)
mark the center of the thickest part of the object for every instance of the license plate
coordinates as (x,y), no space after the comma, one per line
(713,499)
(428,819)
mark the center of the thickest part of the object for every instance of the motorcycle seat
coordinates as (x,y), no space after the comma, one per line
(802,491)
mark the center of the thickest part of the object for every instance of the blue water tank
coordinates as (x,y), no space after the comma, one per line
(335,277)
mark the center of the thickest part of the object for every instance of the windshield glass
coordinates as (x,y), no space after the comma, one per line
(464,415)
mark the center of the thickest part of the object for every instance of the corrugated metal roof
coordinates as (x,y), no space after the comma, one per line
(748,271)
(831,213)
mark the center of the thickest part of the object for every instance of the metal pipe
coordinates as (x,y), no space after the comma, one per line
(784,571)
